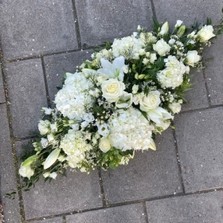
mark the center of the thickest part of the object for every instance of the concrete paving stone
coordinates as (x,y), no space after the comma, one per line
(200,140)
(7,172)
(36,27)
(51,220)
(188,11)
(196,97)
(123,214)
(148,175)
(2,94)
(214,71)
(102,21)
(57,65)
(26,94)
(205,208)
(77,191)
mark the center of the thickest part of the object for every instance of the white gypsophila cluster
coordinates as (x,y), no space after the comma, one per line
(172,75)
(130,130)
(75,146)
(128,47)
(73,99)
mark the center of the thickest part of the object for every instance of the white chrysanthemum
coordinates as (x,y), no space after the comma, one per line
(75,146)
(128,47)
(172,75)
(73,99)
(130,130)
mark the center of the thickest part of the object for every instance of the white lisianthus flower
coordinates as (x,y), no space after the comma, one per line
(26,171)
(153,58)
(161,117)
(47,111)
(115,69)
(130,130)
(175,107)
(164,29)
(104,145)
(192,58)
(53,175)
(178,23)
(205,33)
(125,101)
(150,101)
(172,75)
(161,47)
(44,127)
(44,142)
(135,88)
(112,89)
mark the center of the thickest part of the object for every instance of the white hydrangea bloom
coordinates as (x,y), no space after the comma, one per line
(75,146)
(130,130)
(172,75)
(73,98)
(128,47)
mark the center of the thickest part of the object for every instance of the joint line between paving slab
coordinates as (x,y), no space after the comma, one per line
(153,9)
(207,89)
(103,197)
(178,160)
(76,24)
(12,141)
(145,212)
(127,203)
(45,82)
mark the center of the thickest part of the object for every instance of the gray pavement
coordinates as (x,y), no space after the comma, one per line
(180,183)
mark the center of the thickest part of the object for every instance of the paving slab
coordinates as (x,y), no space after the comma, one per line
(200,140)
(27,95)
(214,71)
(7,172)
(77,191)
(51,220)
(196,97)
(102,21)
(205,208)
(123,214)
(2,94)
(36,27)
(57,65)
(188,11)
(150,174)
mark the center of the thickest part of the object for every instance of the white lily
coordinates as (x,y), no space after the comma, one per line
(51,159)
(113,70)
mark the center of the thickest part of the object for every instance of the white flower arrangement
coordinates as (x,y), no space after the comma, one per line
(116,102)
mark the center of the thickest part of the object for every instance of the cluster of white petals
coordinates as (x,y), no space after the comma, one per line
(73,99)
(130,130)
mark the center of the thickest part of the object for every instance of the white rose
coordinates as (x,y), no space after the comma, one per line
(161,47)
(112,89)
(150,101)
(26,171)
(206,33)
(43,127)
(192,58)
(164,29)
(175,107)
(104,145)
